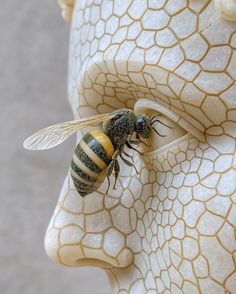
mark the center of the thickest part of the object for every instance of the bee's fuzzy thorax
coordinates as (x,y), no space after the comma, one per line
(121,127)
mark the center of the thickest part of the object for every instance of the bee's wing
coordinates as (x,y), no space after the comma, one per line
(56,134)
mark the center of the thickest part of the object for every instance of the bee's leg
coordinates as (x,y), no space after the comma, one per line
(144,143)
(137,141)
(109,183)
(117,170)
(111,167)
(128,163)
(133,141)
(128,155)
(108,173)
(131,147)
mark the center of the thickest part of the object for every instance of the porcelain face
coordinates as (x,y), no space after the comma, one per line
(170,228)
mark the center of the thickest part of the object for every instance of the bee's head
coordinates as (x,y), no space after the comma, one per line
(143,125)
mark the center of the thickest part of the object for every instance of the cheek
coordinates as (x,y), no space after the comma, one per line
(194,187)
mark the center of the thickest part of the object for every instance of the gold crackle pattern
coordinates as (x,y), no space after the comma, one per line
(170,228)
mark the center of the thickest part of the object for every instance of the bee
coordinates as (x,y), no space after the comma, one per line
(95,156)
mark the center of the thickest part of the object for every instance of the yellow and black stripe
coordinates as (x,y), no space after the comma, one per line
(90,160)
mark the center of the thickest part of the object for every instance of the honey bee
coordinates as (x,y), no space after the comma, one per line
(96,155)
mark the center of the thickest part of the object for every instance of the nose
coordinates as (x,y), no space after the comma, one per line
(81,231)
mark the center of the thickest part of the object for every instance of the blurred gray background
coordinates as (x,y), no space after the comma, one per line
(33,81)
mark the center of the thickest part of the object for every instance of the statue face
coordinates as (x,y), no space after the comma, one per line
(172,226)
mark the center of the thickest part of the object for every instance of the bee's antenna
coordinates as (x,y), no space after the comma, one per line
(153,120)
(158,132)
(154,117)
(157,120)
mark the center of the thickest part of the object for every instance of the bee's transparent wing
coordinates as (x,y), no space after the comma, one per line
(56,134)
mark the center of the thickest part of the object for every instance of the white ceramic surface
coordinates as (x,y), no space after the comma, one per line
(170,228)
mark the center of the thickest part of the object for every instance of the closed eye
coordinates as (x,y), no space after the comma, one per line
(170,128)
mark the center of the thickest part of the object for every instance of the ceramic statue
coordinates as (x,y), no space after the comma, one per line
(171,228)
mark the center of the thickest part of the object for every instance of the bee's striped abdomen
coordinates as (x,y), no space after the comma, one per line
(90,160)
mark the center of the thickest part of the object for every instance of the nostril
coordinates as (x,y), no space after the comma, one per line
(77,254)
(70,254)
(93,262)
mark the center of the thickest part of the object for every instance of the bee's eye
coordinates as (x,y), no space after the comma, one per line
(141,123)
(142,127)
